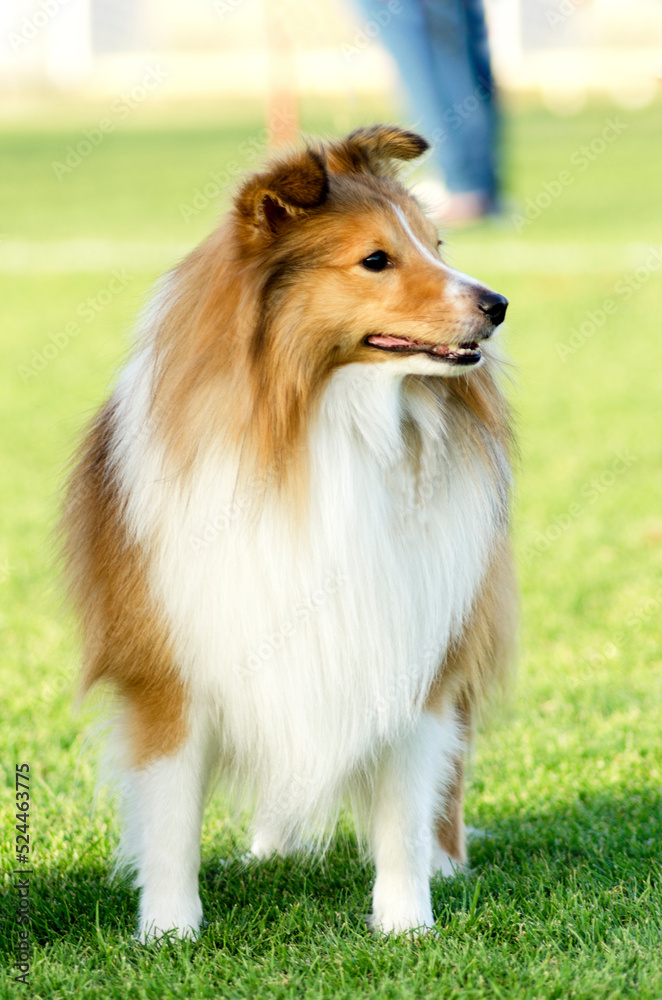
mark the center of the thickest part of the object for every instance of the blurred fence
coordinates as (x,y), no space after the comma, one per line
(562,48)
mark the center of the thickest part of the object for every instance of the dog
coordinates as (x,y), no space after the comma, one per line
(286,534)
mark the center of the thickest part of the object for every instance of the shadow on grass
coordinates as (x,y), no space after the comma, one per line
(598,843)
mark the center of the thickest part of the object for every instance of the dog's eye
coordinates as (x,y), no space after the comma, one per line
(377,261)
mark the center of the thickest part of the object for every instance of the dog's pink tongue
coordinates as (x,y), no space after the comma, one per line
(384,340)
(381,340)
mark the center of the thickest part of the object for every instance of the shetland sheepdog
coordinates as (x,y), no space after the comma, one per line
(286,533)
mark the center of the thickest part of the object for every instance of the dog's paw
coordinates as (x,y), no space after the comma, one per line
(402,924)
(159,924)
(399,909)
(151,933)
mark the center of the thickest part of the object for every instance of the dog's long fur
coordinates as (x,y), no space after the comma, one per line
(286,533)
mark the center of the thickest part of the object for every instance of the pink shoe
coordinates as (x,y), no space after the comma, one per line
(462,208)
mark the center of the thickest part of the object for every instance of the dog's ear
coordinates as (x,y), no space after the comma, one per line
(375,150)
(292,187)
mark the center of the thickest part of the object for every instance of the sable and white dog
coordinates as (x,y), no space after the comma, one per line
(286,533)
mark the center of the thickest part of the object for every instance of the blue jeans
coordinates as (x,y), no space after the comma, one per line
(442,52)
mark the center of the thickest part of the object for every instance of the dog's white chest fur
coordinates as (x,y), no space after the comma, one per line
(313,641)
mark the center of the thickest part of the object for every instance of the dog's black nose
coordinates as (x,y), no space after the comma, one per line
(494,306)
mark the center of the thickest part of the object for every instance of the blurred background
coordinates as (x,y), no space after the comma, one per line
(564,50)
(125,126)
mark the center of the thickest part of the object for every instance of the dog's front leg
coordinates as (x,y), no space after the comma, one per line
(409,782)
(162,838)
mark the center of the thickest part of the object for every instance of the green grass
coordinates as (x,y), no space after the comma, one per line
(565,897)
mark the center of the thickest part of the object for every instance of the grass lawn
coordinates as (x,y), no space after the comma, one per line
(565,898)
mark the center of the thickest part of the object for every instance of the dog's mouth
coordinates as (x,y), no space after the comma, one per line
(467,353)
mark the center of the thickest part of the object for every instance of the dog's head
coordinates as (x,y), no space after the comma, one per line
(324,261)
(351,266)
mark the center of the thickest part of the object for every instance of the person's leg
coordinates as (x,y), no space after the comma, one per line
(479,52)
(465,90)
(441,51)
(403,30)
